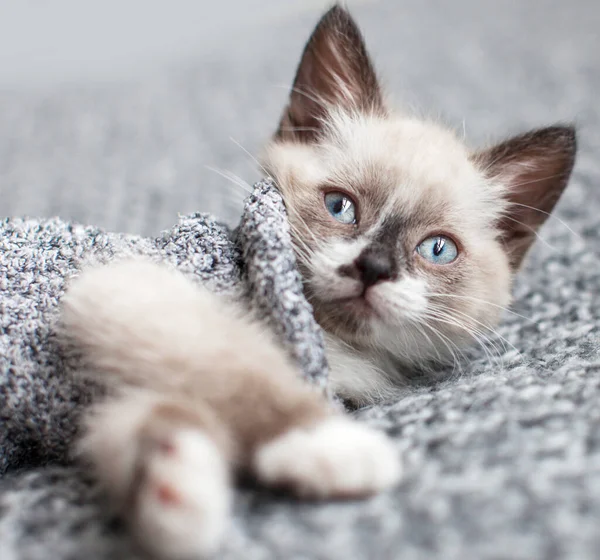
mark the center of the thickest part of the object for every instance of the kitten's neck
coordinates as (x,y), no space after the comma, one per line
(361,376)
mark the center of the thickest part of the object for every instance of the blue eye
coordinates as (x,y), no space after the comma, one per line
(341,207)
(438,249)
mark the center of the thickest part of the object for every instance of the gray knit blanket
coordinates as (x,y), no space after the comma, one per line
(41,393)
(507,450)
(501,460)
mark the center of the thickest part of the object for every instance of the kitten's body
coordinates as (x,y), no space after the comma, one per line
(198,393)
(407,242)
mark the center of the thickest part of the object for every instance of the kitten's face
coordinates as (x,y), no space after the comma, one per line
(370,205)
(407,241)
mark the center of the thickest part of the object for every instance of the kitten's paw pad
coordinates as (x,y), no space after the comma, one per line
(338,458)
(184,498)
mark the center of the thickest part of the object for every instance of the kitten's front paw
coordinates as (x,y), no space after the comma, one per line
(183,501)
(337,458)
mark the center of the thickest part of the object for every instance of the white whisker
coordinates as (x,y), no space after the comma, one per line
(532,230)
(553,216)
(253,158)
(319,100)
(483,325)
(479,300)
(477,336)
(232,178)
(439,314)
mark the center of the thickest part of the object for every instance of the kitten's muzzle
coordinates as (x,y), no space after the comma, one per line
(370,268)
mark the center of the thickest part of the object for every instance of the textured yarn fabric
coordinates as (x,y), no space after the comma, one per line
(40,397)
(502,460)
(504,451)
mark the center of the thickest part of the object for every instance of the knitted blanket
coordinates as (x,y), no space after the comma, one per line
(502,460)
(40,397)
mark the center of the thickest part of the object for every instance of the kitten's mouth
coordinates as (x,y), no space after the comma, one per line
(358,305)
(349,317)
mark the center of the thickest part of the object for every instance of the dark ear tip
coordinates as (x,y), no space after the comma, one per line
(568,130)
(571,134)
(569,142)
(337,16)
(560,139)
(336,10)
(563,134)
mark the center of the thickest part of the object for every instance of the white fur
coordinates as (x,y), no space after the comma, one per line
(196,473)
(193,469)
(423,172)
(328,284)
(337,458)
(407,155)
(398,301)
(355,375)
(369,374)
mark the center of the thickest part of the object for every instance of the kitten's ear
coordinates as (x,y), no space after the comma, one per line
(335,70)
(535,168)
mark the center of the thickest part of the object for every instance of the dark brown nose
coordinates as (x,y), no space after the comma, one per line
(374,267)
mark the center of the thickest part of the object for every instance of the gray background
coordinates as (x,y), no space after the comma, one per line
(110,112)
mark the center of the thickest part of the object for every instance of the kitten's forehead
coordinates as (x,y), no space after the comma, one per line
(406,166)
(400,150)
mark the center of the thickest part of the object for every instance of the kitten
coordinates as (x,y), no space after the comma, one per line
(407,242)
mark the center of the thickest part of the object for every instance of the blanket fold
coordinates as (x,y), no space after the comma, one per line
(40,398)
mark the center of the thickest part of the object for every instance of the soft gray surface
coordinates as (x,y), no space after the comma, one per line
(41,394)
(503,461)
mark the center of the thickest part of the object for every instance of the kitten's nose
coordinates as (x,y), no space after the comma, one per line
(374,267)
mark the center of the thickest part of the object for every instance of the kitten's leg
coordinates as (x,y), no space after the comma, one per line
(337,458)
(167,467)
(298,443)
(146,325)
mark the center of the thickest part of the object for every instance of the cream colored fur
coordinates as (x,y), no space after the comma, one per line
(408,180)
(422,171)
(198,392)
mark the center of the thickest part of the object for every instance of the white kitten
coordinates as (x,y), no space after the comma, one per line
(408,243)
(407,239)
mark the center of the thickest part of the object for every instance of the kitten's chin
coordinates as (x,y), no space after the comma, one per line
(359,306)
(351,319)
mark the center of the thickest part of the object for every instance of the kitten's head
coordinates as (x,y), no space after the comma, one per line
(407,240)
